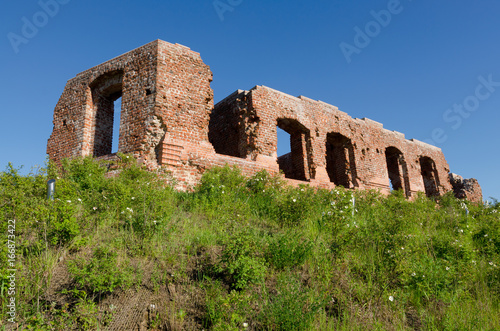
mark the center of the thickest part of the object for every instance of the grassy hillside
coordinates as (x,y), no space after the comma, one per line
(129,252)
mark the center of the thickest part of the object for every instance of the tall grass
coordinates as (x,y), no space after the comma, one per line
(250,253)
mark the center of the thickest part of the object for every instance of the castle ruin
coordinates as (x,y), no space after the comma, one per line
(168,120)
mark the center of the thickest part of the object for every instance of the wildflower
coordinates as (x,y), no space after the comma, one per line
(69,201)
(79,200)
(474,262)
(133,198)
(491,263)
(154,222)
(302,189)
(95,208)
(222,192)
(332,203)
(329,213)
(112,307)
(486,235)
(447,268)
(245,325)
(402,248)
(294,200)
(151,306)
(391,298)
(413,274)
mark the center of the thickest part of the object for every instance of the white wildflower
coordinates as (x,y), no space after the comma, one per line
(245,325)
(391,298)
(95,208)
(294,200)
(68,201)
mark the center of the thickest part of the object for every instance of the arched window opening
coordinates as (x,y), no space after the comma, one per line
(106,90)
(430,176)
(397,170)
(296,163)
(340,161)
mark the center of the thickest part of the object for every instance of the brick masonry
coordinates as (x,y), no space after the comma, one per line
(168,119)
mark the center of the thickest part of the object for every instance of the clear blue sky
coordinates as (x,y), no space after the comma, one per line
(428,56)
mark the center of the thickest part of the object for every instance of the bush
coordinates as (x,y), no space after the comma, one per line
(102,273)
(241,262)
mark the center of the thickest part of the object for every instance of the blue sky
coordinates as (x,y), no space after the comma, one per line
(406,70)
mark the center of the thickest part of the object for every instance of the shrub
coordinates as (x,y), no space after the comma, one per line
(241,262)
(64,227)
(102,273)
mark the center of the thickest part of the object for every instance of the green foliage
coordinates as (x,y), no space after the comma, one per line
(227,311)
(293,307)
(288,249)
(64,226)
(252,252)
(241,261)
(102,273)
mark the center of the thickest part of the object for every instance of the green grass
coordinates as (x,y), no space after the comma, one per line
(242,252)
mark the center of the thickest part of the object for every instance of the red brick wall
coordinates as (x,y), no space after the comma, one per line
(168,119)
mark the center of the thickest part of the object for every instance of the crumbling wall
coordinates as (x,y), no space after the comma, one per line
(83,117)
(168,119)
(466,188)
